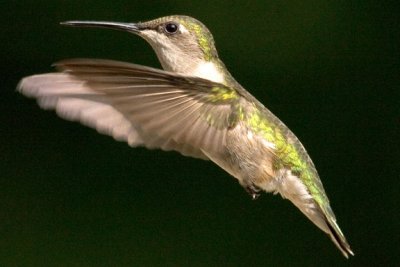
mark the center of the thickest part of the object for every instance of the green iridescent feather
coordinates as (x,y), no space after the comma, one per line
(288,154)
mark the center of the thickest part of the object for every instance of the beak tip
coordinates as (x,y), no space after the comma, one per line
(68,23)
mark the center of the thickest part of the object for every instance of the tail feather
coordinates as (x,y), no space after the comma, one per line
(338,237)
(320,214)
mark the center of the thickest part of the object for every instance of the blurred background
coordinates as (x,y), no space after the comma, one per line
(72,197)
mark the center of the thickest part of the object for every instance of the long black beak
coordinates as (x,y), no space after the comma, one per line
(129,27)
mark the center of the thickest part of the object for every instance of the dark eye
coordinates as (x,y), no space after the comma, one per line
(171,28)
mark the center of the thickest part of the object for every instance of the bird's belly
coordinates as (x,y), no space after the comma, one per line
(248,157)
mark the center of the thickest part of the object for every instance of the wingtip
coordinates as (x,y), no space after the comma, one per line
(21,86)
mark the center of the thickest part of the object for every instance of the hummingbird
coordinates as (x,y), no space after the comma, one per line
(193,106)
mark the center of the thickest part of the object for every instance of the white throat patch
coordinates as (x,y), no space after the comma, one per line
(208,70)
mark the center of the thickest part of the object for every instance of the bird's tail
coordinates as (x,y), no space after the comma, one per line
(320,214)
(336,234)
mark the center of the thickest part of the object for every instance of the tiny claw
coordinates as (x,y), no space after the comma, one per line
(253,191)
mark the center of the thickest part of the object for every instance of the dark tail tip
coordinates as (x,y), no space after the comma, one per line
(339,239)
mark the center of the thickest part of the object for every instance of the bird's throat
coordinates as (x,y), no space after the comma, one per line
(210,71)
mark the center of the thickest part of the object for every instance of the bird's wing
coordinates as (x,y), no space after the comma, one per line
(139,105)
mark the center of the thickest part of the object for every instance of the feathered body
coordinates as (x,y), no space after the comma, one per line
(193,106)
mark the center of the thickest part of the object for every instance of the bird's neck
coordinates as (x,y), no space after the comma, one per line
(213,70)
(210,70)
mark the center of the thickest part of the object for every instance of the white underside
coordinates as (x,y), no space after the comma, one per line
(292,188)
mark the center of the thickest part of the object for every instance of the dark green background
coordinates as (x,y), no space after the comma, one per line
(72,197)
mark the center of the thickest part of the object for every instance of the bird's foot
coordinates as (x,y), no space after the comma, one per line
(254,191)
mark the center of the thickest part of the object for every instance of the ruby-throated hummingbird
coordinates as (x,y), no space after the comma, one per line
(193,106)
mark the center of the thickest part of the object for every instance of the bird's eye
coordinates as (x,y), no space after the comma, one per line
(171,28)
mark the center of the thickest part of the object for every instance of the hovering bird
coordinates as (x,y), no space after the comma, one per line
(194,106)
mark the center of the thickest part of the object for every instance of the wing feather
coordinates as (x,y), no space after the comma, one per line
(137,104)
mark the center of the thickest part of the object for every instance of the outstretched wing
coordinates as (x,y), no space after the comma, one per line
(139,105)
